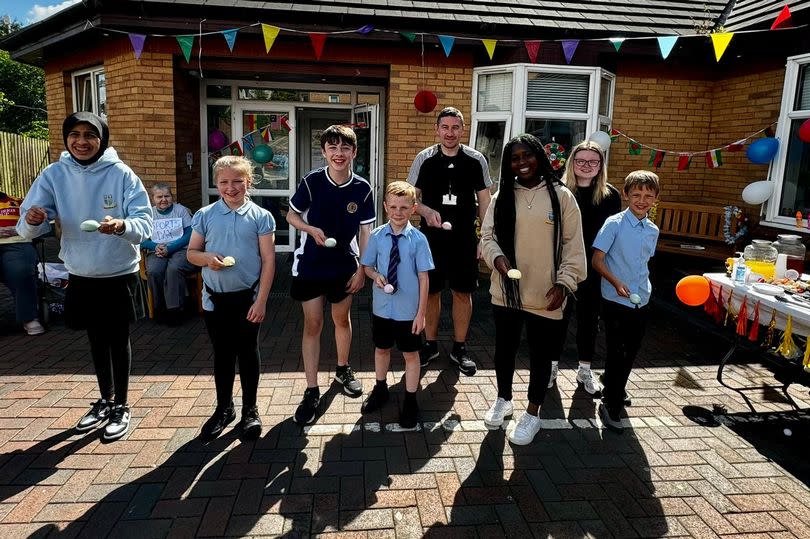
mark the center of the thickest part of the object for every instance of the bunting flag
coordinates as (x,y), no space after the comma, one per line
(656,158)
(714,159)
(213,156)
(265,132)
(318,39)
(447,44)
(270,34)
(614,134)
(410,36)
(365,29)
(285,123)
(753,336)
(684,161)
(634,148)
(569,48)
(489,44)
(742,319)
(617,42)
(186,43)
(720,42)
(137,41)
(736,146)
(250,119)
(230,37)
(665,44)
(532,48)
(247,142)
(232,149)
(783,20)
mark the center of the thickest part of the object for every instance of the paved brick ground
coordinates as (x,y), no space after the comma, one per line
(667,475)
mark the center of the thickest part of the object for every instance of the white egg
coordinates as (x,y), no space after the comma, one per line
(388,289)
(330,242)
(228,261)
(447,225)
(788,432)
(635,299)
(91,225)
(514,274)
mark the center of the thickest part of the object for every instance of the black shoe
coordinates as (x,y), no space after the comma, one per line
(306,411)
(251,424)
(98,414)
(462,360)
(626,401)
(351,385)
(613,422)
(428,353)
(409,416)
(376,399)
(118,424)
(217,423)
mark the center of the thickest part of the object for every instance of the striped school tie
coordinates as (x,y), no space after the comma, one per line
(393,262)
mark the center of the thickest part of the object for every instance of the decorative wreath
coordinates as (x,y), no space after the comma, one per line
(556,155)
(742,230)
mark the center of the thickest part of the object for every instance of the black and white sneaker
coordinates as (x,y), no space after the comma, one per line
(613,423)
(118,424)
(351,385)
(217,423)
(428,353)
(305,413)
(462,360)
(98,414)
(251,423)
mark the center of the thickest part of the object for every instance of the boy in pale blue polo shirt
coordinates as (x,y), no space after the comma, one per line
(397,258)
(622,249)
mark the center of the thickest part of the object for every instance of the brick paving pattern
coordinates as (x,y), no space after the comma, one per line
(353,476)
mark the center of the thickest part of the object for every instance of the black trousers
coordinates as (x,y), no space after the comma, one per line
(624,330)
(545,338)
(112,357)
(234,339)
(587,308)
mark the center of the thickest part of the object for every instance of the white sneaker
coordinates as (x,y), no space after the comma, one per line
(587,380)
(499,410)
(555,369)
(34,327)
(527,427)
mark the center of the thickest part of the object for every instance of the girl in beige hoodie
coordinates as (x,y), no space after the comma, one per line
(533,225)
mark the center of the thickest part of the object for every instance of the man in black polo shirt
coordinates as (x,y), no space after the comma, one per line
(449,177)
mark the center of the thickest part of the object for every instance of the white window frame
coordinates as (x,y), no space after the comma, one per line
(93,72)
(776,170)
(516,117)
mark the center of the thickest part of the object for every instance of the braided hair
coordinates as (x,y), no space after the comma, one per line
(505,211)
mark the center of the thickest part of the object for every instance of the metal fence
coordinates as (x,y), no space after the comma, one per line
(21,160)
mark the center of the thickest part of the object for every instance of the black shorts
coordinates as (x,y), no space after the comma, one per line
(385,332)
(334,290)
(454,256)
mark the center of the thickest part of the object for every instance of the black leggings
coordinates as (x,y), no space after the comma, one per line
(587,307)
(545,338)
(624,329)
(112,358)
(234,338)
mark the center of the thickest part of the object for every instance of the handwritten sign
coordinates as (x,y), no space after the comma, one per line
(167,230)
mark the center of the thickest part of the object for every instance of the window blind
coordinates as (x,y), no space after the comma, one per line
(557,92)
(494,92)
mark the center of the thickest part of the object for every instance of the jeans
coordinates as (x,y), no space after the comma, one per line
(624,330)
(545,338)
(18,270)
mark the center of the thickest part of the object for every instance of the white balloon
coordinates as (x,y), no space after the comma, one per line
(601,138)
(758,192)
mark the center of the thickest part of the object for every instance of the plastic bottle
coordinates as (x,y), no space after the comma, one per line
(740,272)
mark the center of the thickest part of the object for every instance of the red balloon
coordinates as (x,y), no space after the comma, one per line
(693,290)
(804,131)
(425,101)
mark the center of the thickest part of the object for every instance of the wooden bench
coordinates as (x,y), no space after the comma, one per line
(694,230)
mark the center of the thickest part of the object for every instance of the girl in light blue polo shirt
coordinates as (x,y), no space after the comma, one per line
(233,241)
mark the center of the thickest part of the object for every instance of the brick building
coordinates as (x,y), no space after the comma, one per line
(163,109)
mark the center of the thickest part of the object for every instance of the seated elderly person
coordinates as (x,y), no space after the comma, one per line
(166,264)
(18,265)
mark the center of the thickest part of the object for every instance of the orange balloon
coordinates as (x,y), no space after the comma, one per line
(693,290)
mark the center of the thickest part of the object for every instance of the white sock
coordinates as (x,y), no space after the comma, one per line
(554,363)
(584,366)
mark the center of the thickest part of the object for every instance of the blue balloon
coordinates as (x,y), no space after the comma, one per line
(761,151)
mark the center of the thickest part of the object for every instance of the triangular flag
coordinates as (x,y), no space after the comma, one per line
(720,42)
(137,41)
(569,46)
(232,149)
(365,29)
(186,43)
(410,36)
(714,159)
(447,44)
(665,44)
(532,47)
(617,42)
(489,44)
(633,148)
(656,158)
(684,161)
(270,34)
(230,37)
(247,142)
(265,132)
(318,39)
(783,19)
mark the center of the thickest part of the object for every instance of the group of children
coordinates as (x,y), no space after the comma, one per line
(533,225)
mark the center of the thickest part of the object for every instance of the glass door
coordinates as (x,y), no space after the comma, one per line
(366,124)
